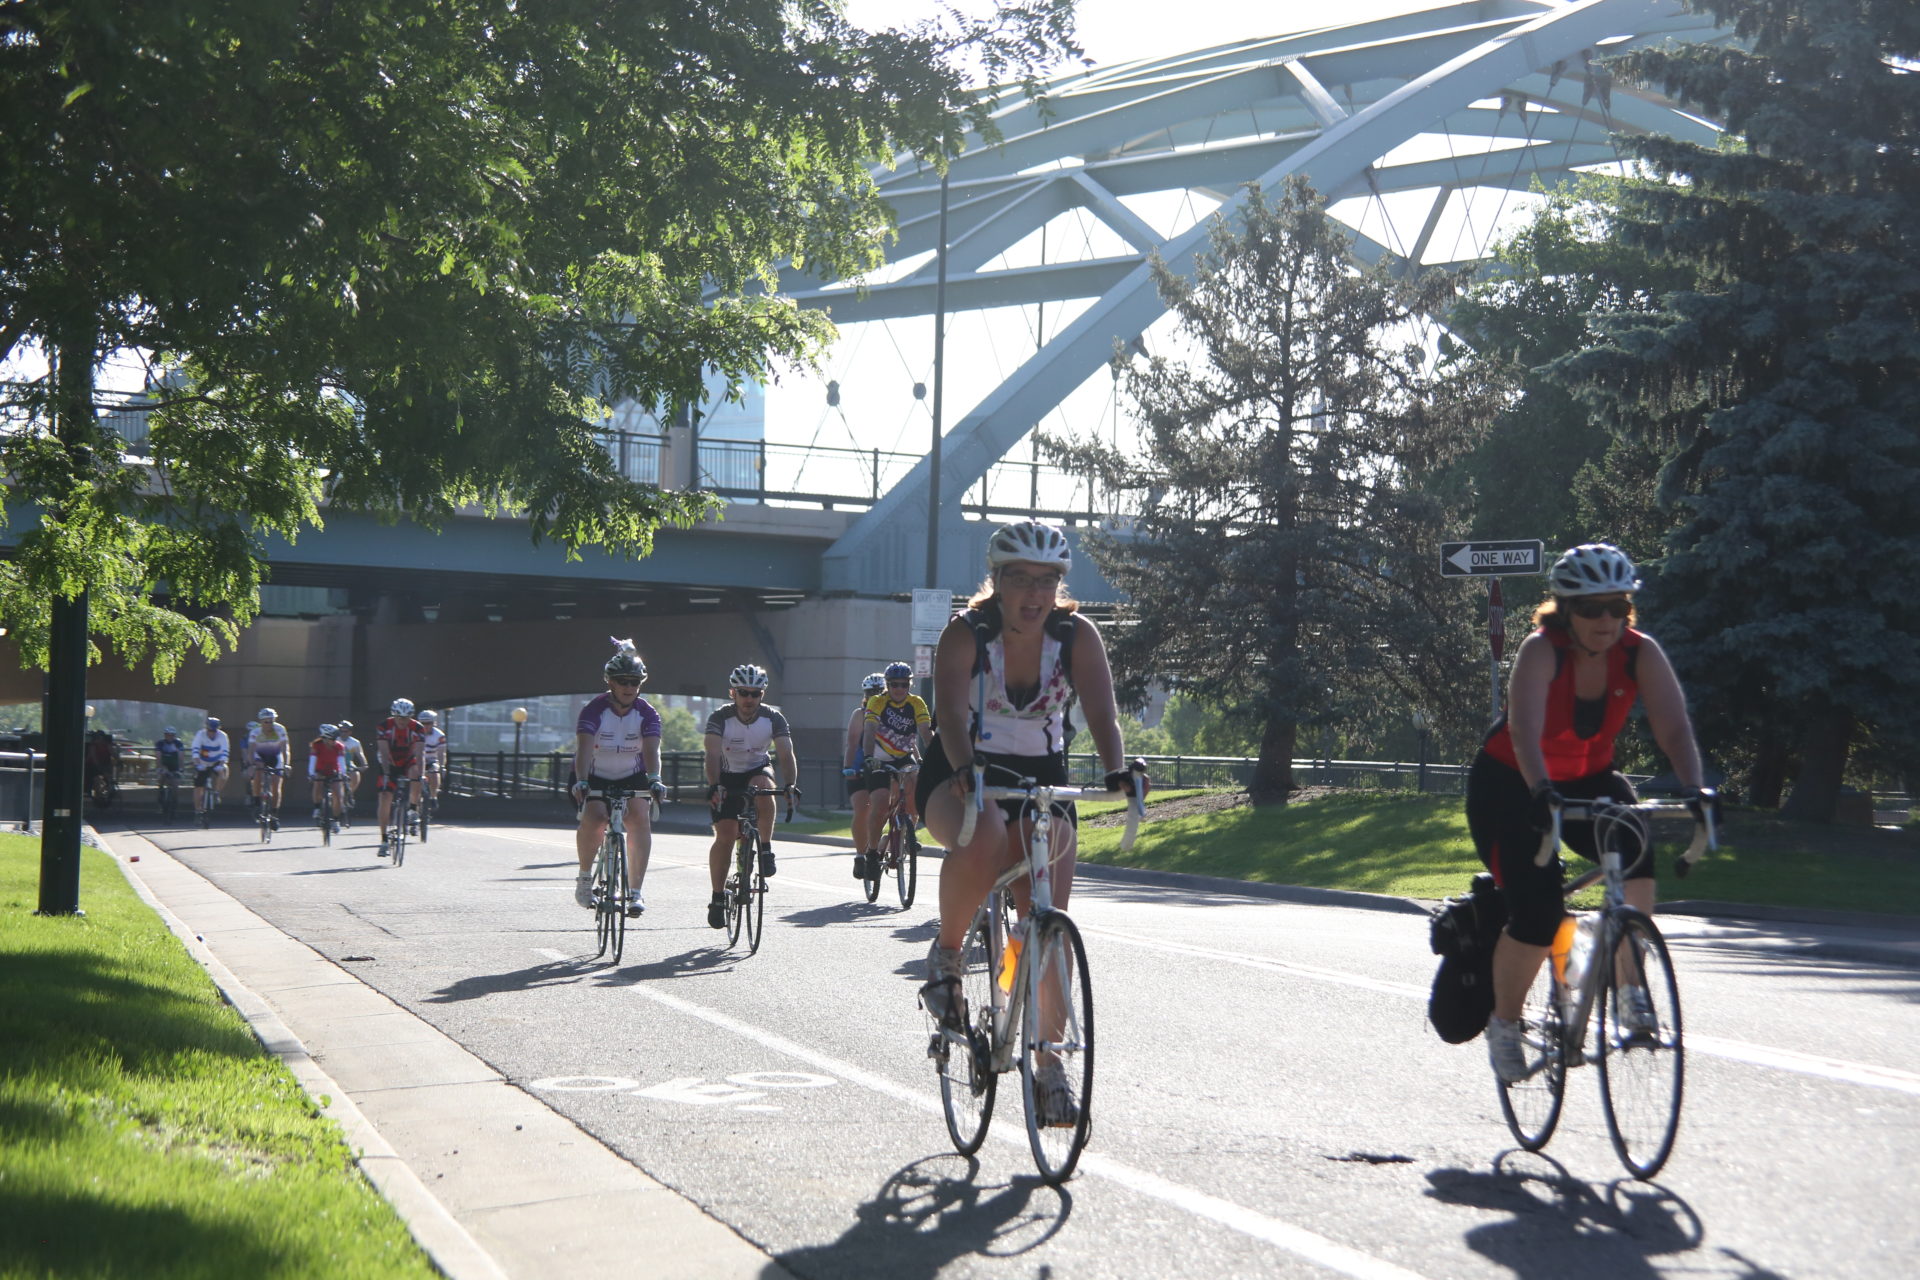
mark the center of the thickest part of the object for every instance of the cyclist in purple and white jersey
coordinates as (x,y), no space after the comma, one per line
(617,743)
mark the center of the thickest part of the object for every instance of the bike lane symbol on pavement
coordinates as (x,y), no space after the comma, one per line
(743,1091)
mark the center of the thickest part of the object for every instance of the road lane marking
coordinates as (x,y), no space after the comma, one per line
(1298,1241)
(1839,1069)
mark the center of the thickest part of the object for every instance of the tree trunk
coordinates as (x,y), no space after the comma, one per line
(1823,762)
(1768,776)
(1273,775)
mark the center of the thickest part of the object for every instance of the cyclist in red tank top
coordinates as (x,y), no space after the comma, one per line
(1575,680)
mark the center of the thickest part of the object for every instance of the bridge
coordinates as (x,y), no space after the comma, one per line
(1419,127)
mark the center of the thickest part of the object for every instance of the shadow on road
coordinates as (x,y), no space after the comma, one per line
(551,974)
(932,1213)
(1616,1228)
(707,959)
(838,913)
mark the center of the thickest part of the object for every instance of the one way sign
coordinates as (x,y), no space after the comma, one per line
(1484,559)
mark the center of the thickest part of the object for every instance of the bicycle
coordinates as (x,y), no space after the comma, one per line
(899,846)
(610,884)
(1642,1066)
(329,818)
(400,815)
(746,889)
(263,813)
(210,800)
(1032,976)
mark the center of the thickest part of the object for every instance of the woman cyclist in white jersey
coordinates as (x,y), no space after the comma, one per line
(1023,640)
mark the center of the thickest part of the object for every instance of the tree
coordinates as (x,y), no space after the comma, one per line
(1280,554)
(395,256)
(1783,389)
(679,731)
(1546,468)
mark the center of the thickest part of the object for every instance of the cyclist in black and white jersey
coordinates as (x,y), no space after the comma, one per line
(743,741)
(616,743)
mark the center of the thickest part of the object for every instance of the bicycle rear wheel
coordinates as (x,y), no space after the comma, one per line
(906,875)
(1532,1105)
(1056,1027)
(965,1067)
(1643,1070)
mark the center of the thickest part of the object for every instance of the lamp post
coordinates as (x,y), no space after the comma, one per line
(1423,727)
(519,725)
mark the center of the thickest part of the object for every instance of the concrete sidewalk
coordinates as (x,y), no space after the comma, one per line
(491,1182)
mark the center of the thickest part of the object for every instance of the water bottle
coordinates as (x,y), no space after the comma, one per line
(1581,952)
(1010,956)
(1562,946)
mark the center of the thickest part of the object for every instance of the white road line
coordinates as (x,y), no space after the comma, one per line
(1859,1073)
(1284,1235)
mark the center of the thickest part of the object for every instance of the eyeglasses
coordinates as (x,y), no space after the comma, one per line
(1049,582)
(626,682)
(899,684)
(751,693)
(1598,608)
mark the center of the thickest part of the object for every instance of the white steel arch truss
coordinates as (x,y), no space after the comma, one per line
(1515,79)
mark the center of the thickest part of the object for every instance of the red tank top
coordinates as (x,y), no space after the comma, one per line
(1568,754)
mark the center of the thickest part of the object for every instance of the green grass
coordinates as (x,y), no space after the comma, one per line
(143,1131)
(1417,847)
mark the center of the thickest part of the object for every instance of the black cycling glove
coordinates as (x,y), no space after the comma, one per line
(1540,808)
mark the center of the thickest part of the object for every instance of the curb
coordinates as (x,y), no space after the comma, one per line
(453,1252)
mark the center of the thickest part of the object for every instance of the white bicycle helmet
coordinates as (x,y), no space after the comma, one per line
(1593,569)
(267,713)
(328,730)
(747,676)
(1033,540)
(428,717)
(401,707)
(625,661)
(873,682)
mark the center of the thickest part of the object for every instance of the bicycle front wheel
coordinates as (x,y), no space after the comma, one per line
(1643,1061)
(755,910)
(1056,1046)
(602,918)
(1532,1104)
(965,1066)
(906,875)
(613,905)
(326,819)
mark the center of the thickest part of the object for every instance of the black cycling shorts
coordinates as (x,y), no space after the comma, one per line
(733,802)
(1498,805)
(205,777)
(1002,771)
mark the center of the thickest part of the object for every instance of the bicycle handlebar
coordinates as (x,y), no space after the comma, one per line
(1705,831)
(970,813)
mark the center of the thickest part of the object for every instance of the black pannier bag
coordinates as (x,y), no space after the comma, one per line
(1463,932)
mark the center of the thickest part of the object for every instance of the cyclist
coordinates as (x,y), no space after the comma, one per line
(1004,674)
(1574,681)
(267,747)
(102,766)
(169,756)
(898,730)
(398,747)
(742,742)
(616,740)
(433,755)
(327,766)
(210,751)
(356,759)
(854,771)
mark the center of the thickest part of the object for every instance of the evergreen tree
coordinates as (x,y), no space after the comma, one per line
(1784,387)
(1281,556)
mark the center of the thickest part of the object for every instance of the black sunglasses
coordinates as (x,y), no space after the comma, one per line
(626,682)
(751,693)
(899,684)
(1599,608)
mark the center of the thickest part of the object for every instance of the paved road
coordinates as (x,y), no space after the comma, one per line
(1269,1099)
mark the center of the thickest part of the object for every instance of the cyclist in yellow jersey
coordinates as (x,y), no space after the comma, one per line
(855,770)
(899,727)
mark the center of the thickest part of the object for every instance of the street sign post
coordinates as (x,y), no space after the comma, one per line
(1483,559)
(1493,560)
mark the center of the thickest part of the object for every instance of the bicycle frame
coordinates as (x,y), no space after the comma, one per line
(1009,1006)
(1576,1007)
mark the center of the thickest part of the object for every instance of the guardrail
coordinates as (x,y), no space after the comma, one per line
(505,775)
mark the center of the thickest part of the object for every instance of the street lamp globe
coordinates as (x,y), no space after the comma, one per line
(519,715)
